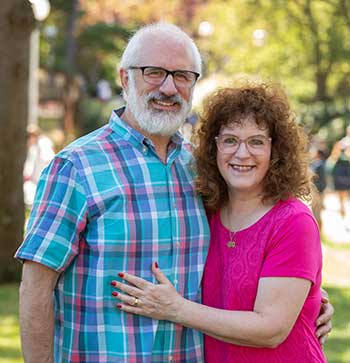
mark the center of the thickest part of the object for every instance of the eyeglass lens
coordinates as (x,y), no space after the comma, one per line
(157,76)
(231,143)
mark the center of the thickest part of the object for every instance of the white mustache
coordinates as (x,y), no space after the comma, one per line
(161,97)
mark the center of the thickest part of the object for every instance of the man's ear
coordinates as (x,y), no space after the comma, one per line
(124,79)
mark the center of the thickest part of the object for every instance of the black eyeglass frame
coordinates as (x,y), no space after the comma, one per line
(167,72)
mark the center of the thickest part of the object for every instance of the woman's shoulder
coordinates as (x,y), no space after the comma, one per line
(294,224)
(292,207)
(291,213)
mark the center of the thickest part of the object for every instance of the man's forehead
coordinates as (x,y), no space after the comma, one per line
(167,53)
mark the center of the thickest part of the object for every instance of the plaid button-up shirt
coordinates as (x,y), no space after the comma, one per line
(108,204)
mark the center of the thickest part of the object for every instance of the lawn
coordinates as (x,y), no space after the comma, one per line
(337,348)
(10,351)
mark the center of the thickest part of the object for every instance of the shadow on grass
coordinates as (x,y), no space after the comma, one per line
(337,350)
(9,299)
(10,353)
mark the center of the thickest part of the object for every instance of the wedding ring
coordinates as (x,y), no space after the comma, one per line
(136,301)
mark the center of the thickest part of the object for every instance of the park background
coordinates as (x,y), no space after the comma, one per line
(54,54)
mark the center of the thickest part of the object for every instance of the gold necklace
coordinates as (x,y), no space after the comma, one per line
(231,243)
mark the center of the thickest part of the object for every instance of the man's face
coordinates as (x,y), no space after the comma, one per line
(160,109)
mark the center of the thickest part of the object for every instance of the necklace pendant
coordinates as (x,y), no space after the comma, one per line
(231,244)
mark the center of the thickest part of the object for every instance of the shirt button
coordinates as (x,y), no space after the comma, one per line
(175,282)
(177,244)
(170,358)
(144,149)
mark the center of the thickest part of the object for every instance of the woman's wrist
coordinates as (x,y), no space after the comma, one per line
(181,307)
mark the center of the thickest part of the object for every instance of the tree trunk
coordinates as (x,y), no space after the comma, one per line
(69,98)
(321,86)
(16,24)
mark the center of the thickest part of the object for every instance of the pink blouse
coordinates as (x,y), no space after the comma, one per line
(285,242)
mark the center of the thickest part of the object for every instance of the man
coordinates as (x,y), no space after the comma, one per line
(117,200)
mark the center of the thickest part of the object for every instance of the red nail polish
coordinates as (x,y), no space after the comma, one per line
(119,306)
(156,264)
(121,274)
(114,293)
(113,283)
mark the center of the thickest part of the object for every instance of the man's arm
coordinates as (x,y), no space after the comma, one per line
(36,312)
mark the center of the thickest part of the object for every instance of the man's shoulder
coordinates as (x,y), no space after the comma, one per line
(94,141)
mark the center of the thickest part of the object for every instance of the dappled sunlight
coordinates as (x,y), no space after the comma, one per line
(10,344)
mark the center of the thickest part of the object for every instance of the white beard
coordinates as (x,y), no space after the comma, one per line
(152,121)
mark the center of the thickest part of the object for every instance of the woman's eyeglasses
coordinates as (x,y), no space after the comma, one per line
(229,144)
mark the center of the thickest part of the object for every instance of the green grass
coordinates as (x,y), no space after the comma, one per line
(337,348)
(338,246)
(10,351)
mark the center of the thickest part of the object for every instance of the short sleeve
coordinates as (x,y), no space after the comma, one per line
(57,219)
(295,250)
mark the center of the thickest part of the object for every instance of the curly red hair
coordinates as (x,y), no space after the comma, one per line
(288,174)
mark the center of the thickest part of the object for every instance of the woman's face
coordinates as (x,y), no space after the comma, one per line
(243,156)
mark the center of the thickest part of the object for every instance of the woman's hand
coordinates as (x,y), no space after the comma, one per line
(141,297)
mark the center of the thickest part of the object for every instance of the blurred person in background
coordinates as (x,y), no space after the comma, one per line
(338,165)
(318,167)
(189,125)
(346,139)
(104,90)
(40,151)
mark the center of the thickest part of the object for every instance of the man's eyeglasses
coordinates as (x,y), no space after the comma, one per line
(157,76)
(229,144)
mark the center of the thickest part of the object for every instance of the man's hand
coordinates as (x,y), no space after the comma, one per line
(324,322)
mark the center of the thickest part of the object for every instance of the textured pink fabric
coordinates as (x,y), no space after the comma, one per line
(285,242)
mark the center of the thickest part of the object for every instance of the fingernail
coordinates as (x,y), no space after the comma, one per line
(121,274)
(114,293)
(156,264)
(114,283)
(119,306)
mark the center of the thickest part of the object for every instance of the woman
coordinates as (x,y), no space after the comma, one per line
(261,284)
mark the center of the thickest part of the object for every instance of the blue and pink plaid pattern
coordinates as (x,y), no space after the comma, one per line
(108,204)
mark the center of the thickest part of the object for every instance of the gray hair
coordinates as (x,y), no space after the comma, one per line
(133,49)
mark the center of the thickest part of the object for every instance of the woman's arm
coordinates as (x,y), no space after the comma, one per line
(277,306)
